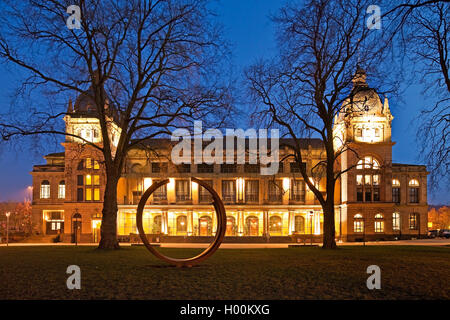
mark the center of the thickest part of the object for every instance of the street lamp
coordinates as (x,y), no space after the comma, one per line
(311,213)
(7,227)
(76,220)
(30,193)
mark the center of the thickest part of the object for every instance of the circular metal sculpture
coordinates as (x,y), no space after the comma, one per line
(220,233)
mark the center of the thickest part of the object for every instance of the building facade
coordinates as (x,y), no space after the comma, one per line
(375,199)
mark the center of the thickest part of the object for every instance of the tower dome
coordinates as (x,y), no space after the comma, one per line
(362,99)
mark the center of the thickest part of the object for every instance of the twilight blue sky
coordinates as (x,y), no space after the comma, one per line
(248,27)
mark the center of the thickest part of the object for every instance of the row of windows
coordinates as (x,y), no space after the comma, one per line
(229,191)
(88,194)
(82,180)
(158,167)
(88,180)
(205,225)
(413,191)
(45,190)
(358,223)
(368,189)
(88,163)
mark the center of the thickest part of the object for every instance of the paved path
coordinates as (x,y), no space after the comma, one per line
(420,242)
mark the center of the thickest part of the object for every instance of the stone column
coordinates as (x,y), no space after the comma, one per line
(266,223)
(291,222)
(316,223)
(189,223)
(240,223)
(164,222)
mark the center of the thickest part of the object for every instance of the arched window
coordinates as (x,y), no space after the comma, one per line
(379,223)
(395,191)
(275,225)
(45,189)
(62,189)
(181,224)
(231,226)
(368,184)
(251,226)
(358,223)
(156,227)
(413,221)
(299,224)
(368,162)
(396,221)
(205,226)
(413,191)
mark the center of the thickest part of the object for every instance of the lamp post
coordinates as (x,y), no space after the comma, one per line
(364,231)
(311,213)
(30,193)
(75,225)
(7,227)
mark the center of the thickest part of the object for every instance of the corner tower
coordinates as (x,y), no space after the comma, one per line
(362,132)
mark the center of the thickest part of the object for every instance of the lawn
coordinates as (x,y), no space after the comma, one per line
(407,272)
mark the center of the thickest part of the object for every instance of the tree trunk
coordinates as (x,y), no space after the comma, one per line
(329,241)
(108,230)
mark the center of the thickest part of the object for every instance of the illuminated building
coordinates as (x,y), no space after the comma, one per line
(375,199)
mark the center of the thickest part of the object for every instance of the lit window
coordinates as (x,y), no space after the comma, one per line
(88,179)
(413,191)
(88,194)
(376,180)
(96,194)
(96,165)
(181,224)
(62,190)
(395,191)
(358,223)
(297,190)
(413,221)
(183,190)
(359,180)
(368,162)
(88,163)
(379,226)
(396,194)
(396,221)
(299,225)
(275,225)
(368,185)
(379,223)
(359,132)
(377,132)
(45,189)
(96,180)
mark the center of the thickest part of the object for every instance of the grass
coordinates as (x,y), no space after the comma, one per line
(407,272)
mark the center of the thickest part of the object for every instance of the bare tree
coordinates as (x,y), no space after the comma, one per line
(420,30)
(145,66)
(429,45)
(309,83)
